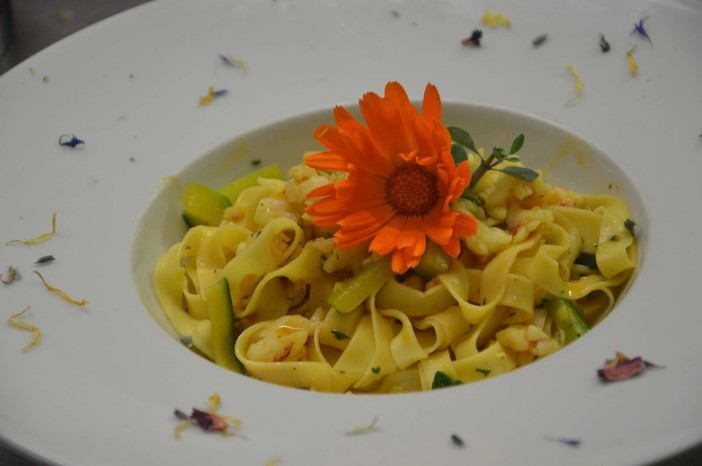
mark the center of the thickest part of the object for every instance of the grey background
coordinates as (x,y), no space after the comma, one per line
(28,26)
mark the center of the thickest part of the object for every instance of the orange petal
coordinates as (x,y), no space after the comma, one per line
(431,105)
(386,238)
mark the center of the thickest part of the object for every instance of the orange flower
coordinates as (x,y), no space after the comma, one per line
(401,178)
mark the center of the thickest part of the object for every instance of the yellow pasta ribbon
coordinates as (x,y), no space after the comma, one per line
(61,293)
(40,238)
(16,321)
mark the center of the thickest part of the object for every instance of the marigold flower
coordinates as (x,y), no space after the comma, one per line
(401,178)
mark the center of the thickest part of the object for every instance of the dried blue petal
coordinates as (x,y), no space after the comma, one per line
(571,442)
(640,30)
(458,441)
(604,45)
(69,140)
(45,259)
(539,40)
(220,92)
(474,39)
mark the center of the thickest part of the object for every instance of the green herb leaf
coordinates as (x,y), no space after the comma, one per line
(587,259)
(513,158)
(520,173)
(517,144)
(485,372)
(499,153)
(471,197)
(339,335)
(375,370)
(443,380)
(462,137)
(459,153)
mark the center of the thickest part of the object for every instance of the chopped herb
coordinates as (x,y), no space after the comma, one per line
(623,367)
(614,238)
(495,20)
(633,66)
(45,259)
(458,441)
(604,45)
(571,442)
(630,225)
(375,370)
(485,372)
(578,81)
(395,13)
(234,62)
(339,335)
(539,40)
(61,293)
(212,94)
(256,162)
(363,429)
(587,259)
(640,30)
(474,39)
(12,275)
(40,238)
(70,140)
(443,380)
(16,321)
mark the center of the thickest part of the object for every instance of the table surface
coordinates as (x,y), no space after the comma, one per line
(36,24)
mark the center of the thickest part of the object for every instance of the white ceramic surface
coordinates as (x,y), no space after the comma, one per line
(102,385)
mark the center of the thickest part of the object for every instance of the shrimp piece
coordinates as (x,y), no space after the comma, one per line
(283,339)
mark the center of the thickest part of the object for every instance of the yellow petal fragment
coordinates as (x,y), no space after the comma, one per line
(207,99)
(362,429)
(273,462)
(495,20)
(61,293)
(633,66)
(214,401)
(40,238)
(578,80)
(16,321)
(184,424)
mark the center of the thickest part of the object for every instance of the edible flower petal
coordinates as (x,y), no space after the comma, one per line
(207,421)
(401,179)
(16,321)
(578,80)
(61,293)
(363,429)
(641,30)
(623,367)
(474,39)
(70,140)
(633,66)
(495,20)
(40,238)
(211,95)
(12,275)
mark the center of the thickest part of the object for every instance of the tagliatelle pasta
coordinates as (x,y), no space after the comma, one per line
(541,265)
(469,322)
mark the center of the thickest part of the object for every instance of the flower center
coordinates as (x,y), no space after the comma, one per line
(411,190)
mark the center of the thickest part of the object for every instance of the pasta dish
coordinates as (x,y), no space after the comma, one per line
(400,258)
